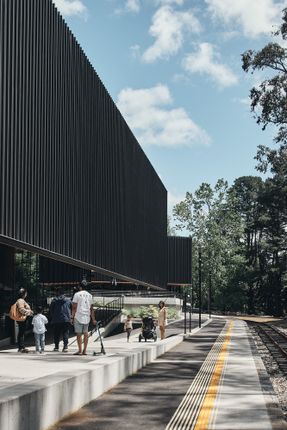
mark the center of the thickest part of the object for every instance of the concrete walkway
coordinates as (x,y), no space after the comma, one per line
(38,390)
(212,380)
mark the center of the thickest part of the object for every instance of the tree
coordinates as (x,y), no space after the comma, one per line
(216,231)
(269,100)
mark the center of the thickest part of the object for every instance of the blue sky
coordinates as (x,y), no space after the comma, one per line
(173,67)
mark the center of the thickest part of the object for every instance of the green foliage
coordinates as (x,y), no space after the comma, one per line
(144,311)
(27,274)
(268,100)
(241,233)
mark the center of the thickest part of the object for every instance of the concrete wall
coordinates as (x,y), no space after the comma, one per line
(40,403)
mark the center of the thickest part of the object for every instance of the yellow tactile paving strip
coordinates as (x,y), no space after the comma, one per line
(209,400)
(195,409)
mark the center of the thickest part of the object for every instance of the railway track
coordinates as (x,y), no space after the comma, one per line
(275,341)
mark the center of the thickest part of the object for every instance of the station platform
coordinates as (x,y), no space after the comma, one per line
(212,379)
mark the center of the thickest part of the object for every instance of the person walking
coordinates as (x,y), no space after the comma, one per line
(61,319)
(39,320)
(162,319)
(128,327)
(25,310)
(82,313)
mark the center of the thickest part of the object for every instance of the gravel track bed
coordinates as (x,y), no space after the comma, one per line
(277,377)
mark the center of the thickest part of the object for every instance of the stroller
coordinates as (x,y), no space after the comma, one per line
(148,329)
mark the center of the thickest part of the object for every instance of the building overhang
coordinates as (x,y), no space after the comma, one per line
(5,240)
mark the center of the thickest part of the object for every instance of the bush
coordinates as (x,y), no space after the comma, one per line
(144,311)
(131,312)
(171,313)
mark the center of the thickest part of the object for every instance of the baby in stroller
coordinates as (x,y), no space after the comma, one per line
(148,329)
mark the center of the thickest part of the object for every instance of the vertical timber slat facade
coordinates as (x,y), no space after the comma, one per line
(179,260)
(75,184)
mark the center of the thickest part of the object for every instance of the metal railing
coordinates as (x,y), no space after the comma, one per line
(129,293)
(107,312)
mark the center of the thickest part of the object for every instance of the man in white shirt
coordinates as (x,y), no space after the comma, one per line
(82,313)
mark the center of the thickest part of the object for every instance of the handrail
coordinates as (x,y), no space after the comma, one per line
(128,293)
(106,313)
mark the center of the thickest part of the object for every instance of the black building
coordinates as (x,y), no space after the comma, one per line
(75,185)
(179,263)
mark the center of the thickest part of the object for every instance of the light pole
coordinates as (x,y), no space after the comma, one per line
(199,287)
(209,282)
(184,313)
(189,309)
(209,294)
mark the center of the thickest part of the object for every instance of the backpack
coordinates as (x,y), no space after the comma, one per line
(15,314)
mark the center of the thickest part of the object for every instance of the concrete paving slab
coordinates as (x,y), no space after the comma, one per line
(241,402)
(37,390)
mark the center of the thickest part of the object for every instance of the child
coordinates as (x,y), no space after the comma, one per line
(128,327)
(39,321)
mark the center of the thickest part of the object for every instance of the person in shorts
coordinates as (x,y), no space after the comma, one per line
(82,313)
(128,326)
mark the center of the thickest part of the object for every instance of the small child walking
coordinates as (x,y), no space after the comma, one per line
(128,327)
(38,322)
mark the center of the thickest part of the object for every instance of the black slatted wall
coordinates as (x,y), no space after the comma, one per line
(179,260)
(73,178)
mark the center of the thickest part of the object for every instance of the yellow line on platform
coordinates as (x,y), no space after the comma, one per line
(209,400)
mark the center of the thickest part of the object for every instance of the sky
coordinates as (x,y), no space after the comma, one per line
(173,67)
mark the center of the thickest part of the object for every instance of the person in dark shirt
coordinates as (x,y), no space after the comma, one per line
(60,311)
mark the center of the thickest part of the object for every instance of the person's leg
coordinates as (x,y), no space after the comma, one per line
(21,335)
(78,331)
(37,341)
(86,339)
(66,330)
(79,342)
(42,342)
(128,334)
(161,328)
(57,332)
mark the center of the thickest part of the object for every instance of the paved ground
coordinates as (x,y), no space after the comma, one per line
(212,380)
(148,399)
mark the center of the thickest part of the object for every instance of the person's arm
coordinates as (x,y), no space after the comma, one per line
(74,310)
(24,308)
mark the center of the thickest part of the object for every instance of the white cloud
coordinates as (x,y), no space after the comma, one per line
(70,7)
(168,28)
(133,5)
(254,17)
(204,61)
(135,51)
(164,2)
(243,101)
(154,123)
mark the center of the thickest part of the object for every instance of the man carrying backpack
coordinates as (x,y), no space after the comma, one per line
(60,311)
